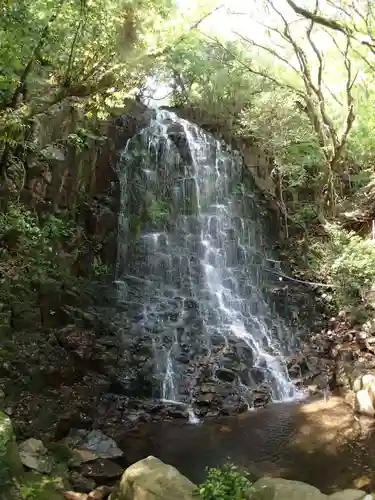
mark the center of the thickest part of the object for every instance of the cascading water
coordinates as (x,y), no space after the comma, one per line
(192,279)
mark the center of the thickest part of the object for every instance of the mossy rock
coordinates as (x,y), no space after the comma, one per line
(37,486)
(63,456)
(11,468)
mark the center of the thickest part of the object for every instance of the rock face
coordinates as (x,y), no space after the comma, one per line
(151,479)
(193,306)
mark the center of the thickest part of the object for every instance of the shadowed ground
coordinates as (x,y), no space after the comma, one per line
(319,442)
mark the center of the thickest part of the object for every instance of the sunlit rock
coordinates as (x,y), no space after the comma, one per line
(363,403)
(151,479)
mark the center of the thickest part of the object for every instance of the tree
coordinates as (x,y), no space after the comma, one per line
(87,54)
(361,30)
(306,79)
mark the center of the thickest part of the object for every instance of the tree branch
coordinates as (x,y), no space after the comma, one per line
(331,24)
(183,37)
(254,71)
(26,72)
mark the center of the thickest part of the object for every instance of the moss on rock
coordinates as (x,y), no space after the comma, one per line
(11,469)
(36,486)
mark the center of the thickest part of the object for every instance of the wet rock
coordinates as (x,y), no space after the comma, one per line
(82,456)
(225,374)
(95,442)
(297,367)
(101,469)
(151,479)
(205,399)
(177,135)
(34,455)
(257,376)
(81,483)
(177,411)
(233,405)
(294,371)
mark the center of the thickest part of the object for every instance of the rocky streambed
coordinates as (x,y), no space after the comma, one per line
(83,466)
(62,384)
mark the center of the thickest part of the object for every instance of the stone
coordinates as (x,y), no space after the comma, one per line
(151,479)
(73,495)
(350,494)
(321,381)
(225,374)
(363,403)
(177,134)
(82,483)
(363,382)
(269,488)
(97,443)
(53,153)
(34,455)
(82,456)
(369,327)
(103,492)
(371,391)
(360,338)
(102,469)
(11,469)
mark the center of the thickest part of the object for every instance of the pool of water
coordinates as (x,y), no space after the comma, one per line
(319,442)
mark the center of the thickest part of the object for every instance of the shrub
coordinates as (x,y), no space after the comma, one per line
(225,483)
(31,253)
(347,261)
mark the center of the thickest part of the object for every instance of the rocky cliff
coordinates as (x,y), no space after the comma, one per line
(58,351)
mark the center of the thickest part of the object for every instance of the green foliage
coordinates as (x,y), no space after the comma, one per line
(31,253)
(211,75)
(347,261)
(74,43)
(225,483)
(41,487)
(251,93)
(305,214)
(158,212)
(81,139)
(99,268)
(88,54)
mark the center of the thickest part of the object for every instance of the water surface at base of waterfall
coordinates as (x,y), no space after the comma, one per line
(318,442)
(193,281)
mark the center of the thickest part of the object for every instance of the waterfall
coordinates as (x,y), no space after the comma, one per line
(191,270)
